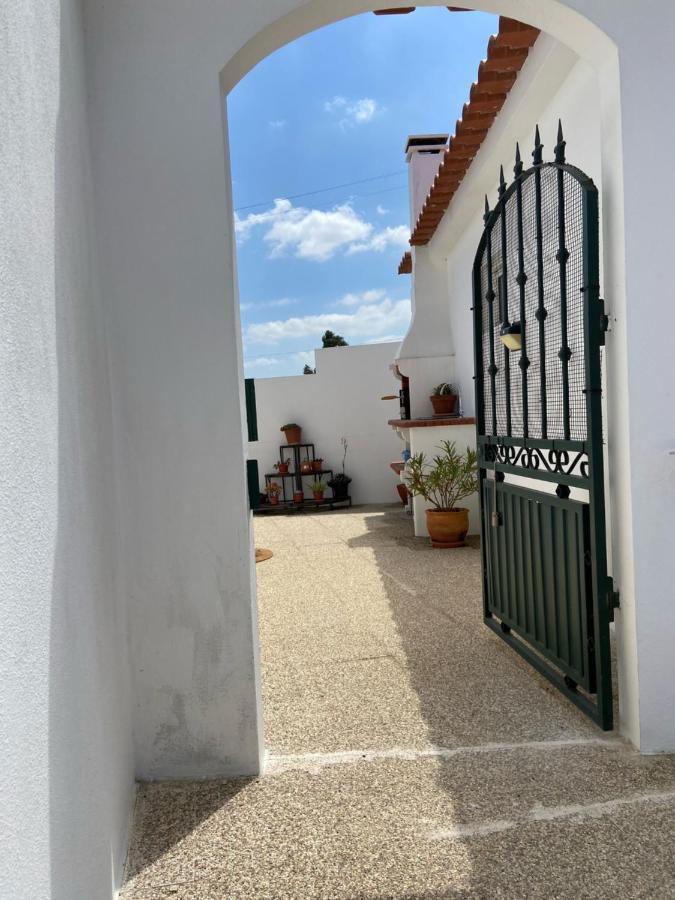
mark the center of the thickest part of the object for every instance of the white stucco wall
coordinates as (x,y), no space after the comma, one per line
(166,262)
(342,399)
(66,778)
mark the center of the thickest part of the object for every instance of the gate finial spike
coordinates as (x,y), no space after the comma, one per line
(486,216)
(502,183)
(560,146)
(538,148)
(518,168)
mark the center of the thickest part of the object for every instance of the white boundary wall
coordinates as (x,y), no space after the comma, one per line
(342,399)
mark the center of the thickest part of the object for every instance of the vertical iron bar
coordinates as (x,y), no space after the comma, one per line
(507,365)
(541,309)
(479,382)
(598,541)
(521,278)
(562,256)
(490,297)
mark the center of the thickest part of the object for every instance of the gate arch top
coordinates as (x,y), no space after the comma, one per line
(562,20)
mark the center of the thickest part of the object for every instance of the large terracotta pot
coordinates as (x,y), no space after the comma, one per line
(293,435)
(447,528)
(444,404)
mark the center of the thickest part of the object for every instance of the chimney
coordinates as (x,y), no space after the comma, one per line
(423,153)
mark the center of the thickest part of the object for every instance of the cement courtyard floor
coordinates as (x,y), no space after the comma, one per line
(411,754)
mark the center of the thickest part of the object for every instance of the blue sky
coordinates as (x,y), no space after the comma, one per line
(335,107)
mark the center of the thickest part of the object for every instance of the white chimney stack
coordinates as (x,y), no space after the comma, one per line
(424,153)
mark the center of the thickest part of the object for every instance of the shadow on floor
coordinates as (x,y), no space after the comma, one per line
(168,813)
(472,688)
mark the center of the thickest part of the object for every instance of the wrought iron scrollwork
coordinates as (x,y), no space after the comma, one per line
(550,461)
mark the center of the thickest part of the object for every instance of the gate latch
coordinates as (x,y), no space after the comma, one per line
(613,600)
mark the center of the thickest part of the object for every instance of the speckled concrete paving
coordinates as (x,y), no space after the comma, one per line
(411,753)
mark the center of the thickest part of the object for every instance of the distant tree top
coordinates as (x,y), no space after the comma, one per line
(333,340)
(308,370)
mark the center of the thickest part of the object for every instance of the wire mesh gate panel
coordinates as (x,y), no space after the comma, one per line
(539,324)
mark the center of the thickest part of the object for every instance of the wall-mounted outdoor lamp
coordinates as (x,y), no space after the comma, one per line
(509,335)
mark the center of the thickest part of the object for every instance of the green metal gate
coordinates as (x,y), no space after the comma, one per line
(539,324)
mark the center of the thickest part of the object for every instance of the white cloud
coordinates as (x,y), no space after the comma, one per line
(388,237)
(353,112)
(382,210)
(277,124)
(371,296)
(369,321)
(316,234)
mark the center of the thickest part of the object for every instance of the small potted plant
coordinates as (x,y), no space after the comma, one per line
(292,432)
(318,487)
(444,482)
(281,467)
(273,491)
(444,399)
(298,497)
(340,482)
(317,465)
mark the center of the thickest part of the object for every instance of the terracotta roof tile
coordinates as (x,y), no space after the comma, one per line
(506,53)
(405,266)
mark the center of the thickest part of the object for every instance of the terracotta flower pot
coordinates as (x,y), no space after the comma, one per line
(403,493)
(293,435)
(318,496)
(282,468)
(274,499)
(448,527)
(444,404)
(298,497)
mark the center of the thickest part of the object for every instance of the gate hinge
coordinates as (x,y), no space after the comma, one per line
(613,600)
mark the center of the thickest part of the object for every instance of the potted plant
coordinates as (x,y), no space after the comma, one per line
(298,497)
(292,432)
(340,482)
(273,491)
(317,465)
(318,487)
(281,467)
(444,399)
(444,482)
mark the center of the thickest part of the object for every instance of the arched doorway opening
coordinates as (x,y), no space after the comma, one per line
(588,43)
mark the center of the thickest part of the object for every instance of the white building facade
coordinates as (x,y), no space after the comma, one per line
(127,601)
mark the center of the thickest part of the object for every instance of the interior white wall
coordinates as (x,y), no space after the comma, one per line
(342,399)
(66,779)
(166,254)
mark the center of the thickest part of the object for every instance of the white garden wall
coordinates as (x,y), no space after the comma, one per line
(342,399)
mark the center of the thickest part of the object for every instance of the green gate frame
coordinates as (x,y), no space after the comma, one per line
(588,685)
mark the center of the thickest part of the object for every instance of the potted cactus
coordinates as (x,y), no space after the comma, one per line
(293,433)
(318,488)
(444,399)
(444,482)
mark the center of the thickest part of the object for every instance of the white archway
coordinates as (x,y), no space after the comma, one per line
(590,43)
